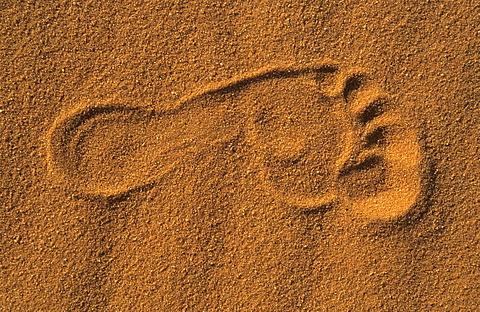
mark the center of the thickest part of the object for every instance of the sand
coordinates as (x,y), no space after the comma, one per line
(239,156)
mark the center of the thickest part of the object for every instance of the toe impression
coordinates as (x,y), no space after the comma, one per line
(383,178)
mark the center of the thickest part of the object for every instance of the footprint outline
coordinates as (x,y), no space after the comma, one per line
(346,84)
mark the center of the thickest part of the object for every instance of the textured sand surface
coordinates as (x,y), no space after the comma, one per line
(239,155)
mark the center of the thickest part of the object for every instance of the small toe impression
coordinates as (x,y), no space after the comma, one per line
(382,180)
(354,84)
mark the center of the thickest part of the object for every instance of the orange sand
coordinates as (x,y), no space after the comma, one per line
(239,156)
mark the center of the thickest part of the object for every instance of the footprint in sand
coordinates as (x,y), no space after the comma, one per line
(323,135)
